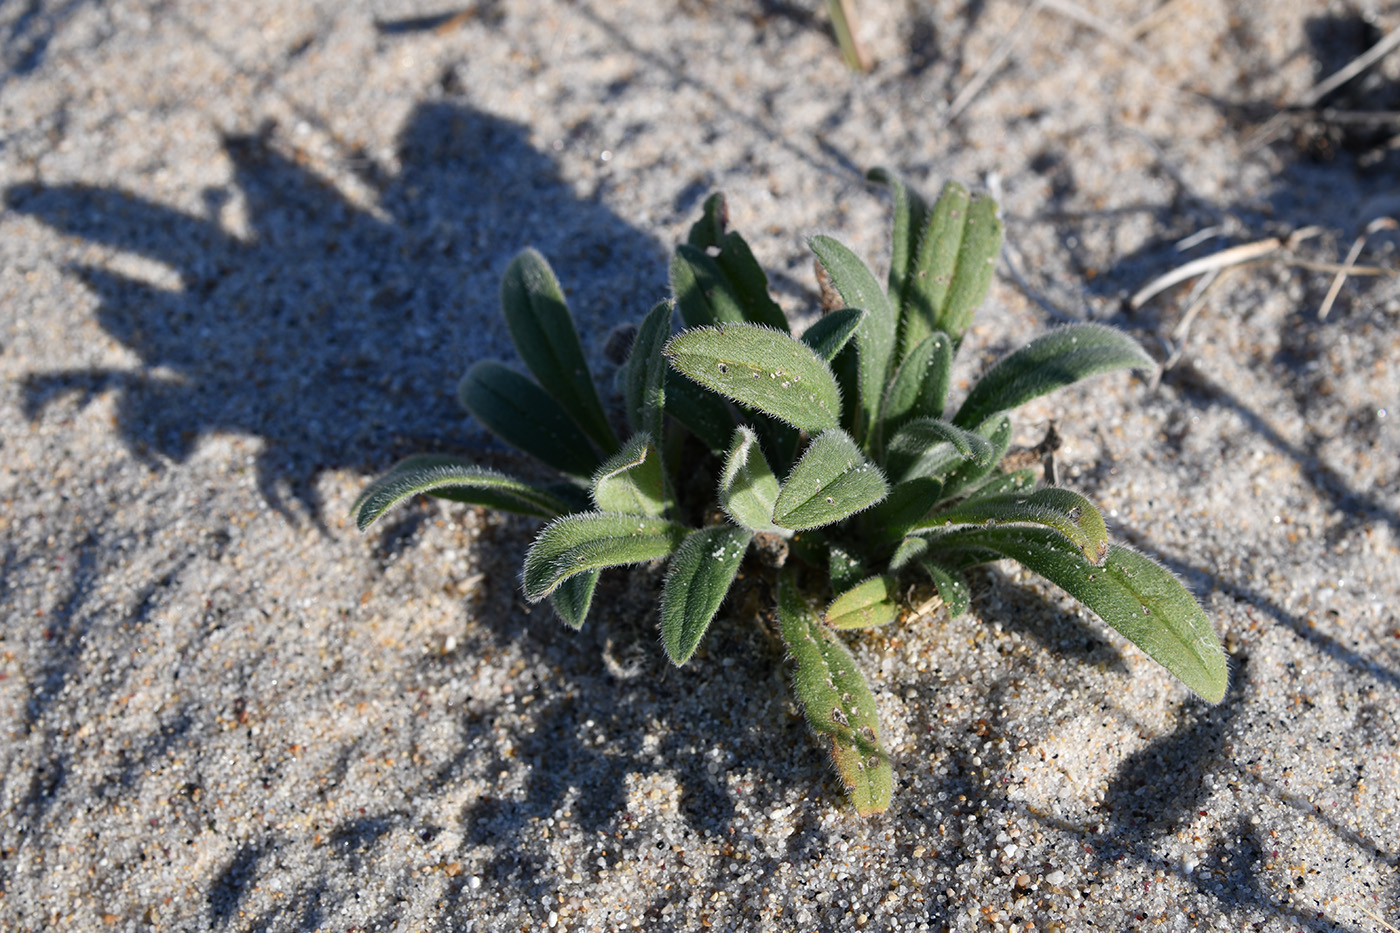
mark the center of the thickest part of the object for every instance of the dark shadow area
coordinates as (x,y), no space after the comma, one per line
(333,332)
(1022,610)
(25,41)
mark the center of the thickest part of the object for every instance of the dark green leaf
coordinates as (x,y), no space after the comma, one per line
(515,409)
(573,597)
(919,387)
(632,481)
(995,484)
(906,506)
(837,701)
(831,332)
(933,447)
(1051,361)
(713,222)
(588,541)
(910,220)
(705,414)
(646,372)
(747,487)
(450,478)
(1130,592)
(702,571)
(844,568)
(703,294)
(1062,509)
(869,604)
(875,336)
(952,587)
(832,481)
(763,368)
(748,283)
(997,431)
(544,336)
(956,258)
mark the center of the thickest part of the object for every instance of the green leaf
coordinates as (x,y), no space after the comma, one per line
(908,551)
(977,257)
(705,414)
(747,487)
(869,604)
(588,541)
(996,484)
(702,571)
(713,222)
(763,368)
(1049,362)
(933,447)
(544,336)
(837,702)
(1055,507)
(646,372)
(844,569)
(832,481)
(632,481)
(1132,593)
(952,587)
(573,597)
(910,220)
(748,283)
(997,431)
(956,258)
(875,336)
(451,478)
(515,409)
(920,385)
(702,292)
(904,508)
(830,333)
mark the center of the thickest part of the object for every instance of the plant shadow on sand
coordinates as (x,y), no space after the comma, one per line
(334,333)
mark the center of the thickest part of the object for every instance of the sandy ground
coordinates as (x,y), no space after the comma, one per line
(246,251)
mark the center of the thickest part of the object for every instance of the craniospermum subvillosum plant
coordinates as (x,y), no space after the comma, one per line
(836,450)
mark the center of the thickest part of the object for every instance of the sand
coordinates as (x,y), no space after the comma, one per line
(246,252)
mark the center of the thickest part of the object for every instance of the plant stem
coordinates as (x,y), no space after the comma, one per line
(842,16)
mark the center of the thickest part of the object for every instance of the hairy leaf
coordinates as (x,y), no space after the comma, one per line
(830,333)
(996,484)
(544,336)
(702,294)
(934,264)
(646,372)
(1132,593)
(702,570)
(844,569)
(875,336)
(934,447)
(904,508)
(920,385)
(706,415)
(952,587)
(632,481)
(515,409)
(871,603)
(573,597)
(1062,509)
(910,220)
(712,225)
(997,431)
(977,256)
(748,283)
(763,368)
(747,487)
(1049,362)
(451,478)
(836,701)
(832,481)
(588,541)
